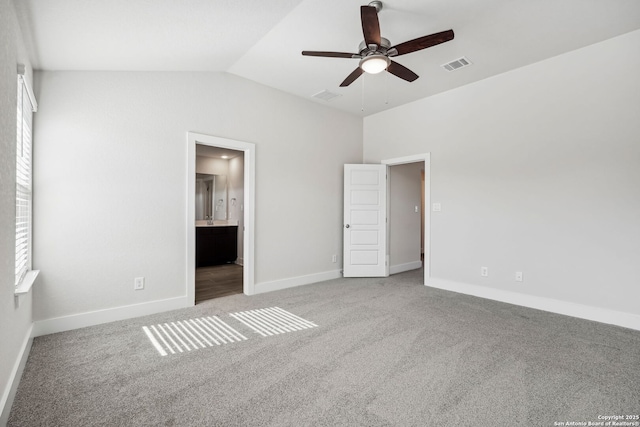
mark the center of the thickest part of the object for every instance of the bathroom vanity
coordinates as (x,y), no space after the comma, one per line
(216,242)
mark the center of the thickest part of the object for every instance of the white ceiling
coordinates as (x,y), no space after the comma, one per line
(262,40)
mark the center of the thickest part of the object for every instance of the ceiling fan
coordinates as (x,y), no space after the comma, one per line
(375,51)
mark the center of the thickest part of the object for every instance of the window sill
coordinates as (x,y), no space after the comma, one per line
(27,282)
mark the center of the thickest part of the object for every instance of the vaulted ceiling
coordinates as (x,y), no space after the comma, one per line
(262,40)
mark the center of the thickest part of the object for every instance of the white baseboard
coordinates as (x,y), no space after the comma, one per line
(292,282)
(240,261)
(81,320)
(11,388)
(603,315)
(401,268)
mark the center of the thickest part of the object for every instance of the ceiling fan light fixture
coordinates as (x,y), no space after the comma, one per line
(374,51)
(374,64)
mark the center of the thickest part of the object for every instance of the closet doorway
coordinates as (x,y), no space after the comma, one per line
(406,216)
(421,163)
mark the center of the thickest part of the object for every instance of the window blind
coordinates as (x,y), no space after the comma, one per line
(23,180)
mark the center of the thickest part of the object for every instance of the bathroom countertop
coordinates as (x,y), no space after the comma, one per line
(217,223)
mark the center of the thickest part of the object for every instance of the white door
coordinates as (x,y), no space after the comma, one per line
(365,221)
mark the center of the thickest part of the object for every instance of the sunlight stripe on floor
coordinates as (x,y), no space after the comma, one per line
(272,321)
(193,334)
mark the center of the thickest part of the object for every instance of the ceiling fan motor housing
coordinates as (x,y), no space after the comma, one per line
(372,49)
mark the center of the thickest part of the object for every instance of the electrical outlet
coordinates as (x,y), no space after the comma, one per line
(334,258)
(437,207)
(518,276)
(484,271)
(138,283)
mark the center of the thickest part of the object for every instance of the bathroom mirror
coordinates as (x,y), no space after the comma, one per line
(211,197)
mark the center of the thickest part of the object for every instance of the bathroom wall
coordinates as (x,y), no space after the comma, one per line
(212,165)
(236,199)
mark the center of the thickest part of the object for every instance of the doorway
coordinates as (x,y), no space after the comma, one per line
(423,182)
(228,184)
(219,198)
(405,217)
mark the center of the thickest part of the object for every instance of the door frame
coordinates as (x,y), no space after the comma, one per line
(249,149)
(426,158)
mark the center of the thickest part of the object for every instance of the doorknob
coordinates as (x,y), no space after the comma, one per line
(347,226)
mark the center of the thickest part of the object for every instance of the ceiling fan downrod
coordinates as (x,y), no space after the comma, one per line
(377,4)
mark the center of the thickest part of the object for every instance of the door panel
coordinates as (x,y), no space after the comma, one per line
(360,258)
(365,221)
(364,218)
(364,237)
(365,197)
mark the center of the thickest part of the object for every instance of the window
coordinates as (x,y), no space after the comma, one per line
(26,105)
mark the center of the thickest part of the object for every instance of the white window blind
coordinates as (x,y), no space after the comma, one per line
(23,179)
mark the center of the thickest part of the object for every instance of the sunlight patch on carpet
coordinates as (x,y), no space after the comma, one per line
(272,321)
(192,334)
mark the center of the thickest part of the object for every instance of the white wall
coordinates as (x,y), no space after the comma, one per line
(537,170)
(404,222)
(15,322)
(100,223)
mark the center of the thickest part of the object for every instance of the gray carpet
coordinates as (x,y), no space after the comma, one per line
(386,352)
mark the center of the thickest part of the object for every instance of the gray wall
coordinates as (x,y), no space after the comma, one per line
(15,322)
(102,135)
(537,170)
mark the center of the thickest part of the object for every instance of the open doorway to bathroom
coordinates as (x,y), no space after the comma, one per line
(220,207)
(219,204)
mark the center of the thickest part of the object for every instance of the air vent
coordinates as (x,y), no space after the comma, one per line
(325,95)
(457,64)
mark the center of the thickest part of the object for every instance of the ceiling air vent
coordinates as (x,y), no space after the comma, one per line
(457,64)
(325,95)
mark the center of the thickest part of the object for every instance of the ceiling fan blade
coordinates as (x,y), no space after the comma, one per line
(370,25)
(401,71)
(352,77)
(423,42)
(330,54)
